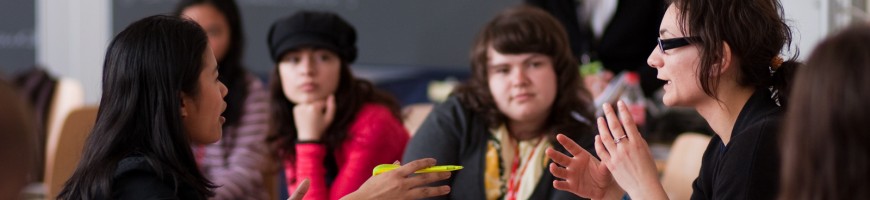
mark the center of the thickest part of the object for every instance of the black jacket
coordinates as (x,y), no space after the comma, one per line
(135,178)
(455,135)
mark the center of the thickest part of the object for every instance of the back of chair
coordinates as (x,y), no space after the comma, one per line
(68,95)
(684,164)
(64,149)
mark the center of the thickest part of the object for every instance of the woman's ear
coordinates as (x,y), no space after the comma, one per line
(727,60)
(185,102)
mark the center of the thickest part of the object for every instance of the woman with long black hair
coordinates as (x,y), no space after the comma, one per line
(160,94)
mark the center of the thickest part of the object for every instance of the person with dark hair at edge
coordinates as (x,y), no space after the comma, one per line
(825,131)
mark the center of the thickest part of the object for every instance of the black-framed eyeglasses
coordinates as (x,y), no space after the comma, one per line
(665,44)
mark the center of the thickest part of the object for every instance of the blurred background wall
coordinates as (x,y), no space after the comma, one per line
(68,37)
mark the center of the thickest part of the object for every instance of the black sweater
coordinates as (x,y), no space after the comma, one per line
(135,178)
(748,167)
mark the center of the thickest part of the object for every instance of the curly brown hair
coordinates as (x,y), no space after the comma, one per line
(526,29)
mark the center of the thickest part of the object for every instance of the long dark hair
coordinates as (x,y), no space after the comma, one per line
(147,67)
(824,143)
(756,33)
(350,96)
(232,72)
(525,29)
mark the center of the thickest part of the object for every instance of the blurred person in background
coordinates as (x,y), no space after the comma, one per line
(614,33)
(824,143)
(16,146)
(237,161)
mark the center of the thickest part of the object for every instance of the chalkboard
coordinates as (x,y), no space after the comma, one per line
(17,36)
(396,34)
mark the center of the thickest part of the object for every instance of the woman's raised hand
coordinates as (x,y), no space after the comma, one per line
(582,174)
(626,154)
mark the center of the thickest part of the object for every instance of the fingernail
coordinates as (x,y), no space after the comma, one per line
(445,189)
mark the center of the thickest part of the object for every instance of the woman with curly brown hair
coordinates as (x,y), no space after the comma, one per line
(525,88)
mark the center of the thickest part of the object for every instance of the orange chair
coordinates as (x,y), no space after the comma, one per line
(64,148)
(684,164)
(68,95)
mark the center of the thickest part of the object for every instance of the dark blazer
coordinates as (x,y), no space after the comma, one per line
(748,167)
(627,40)
(455,135)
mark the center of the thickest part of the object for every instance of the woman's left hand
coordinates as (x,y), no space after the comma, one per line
(627,154)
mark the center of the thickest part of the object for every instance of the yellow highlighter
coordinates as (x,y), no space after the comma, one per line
(441,168)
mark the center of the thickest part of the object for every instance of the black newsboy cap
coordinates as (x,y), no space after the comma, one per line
(313,29)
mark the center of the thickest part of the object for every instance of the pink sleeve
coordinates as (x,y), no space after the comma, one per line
(376,137)
(309,164)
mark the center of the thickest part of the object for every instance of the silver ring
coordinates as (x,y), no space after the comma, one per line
(619,139)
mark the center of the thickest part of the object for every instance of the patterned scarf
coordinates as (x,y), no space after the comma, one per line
(513,168)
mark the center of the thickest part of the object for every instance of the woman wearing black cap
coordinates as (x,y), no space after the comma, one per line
(327,125)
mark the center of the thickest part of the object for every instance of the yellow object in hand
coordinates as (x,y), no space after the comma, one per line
(441,168)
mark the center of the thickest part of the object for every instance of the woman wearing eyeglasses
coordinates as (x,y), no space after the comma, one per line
(720,57)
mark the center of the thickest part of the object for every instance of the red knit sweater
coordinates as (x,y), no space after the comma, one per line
(375,137)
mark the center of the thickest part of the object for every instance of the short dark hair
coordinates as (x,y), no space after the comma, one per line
(526,29)
(147,67)
(824,143)
(232,72)
(756,33)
